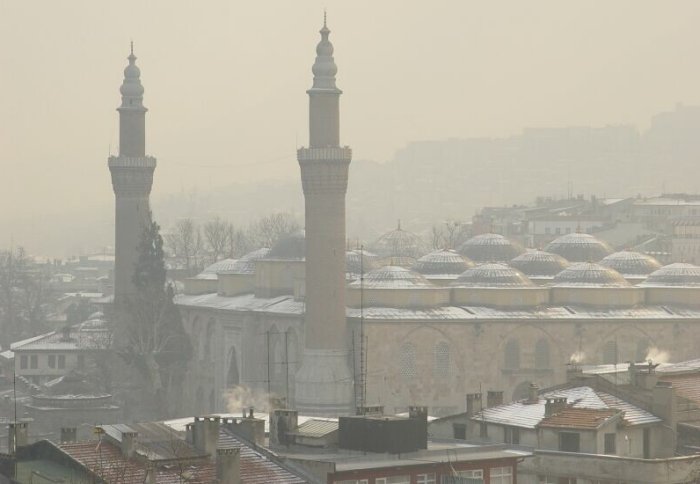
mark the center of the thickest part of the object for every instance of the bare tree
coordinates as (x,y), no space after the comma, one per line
(186,241)
(216,234)
(449,235)
(238,242)
(269,229)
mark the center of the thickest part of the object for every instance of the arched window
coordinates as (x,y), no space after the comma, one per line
(441,359)
(233,377)
(610,353)
(407,360)
(512,355)
(542,354)
(209,340)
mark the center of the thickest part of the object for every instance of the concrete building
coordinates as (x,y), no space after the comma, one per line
(132,178)
(324,381)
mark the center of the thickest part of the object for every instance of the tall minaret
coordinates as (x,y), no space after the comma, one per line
(324,381)
(132,177)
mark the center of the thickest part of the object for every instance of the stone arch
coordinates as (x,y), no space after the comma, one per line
(528,335)
(542,357)
(511,354)
(233,376)
(642,350)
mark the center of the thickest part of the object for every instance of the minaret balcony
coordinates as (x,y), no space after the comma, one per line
(327,154)
(131,162)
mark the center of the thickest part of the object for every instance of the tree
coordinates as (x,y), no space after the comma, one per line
(155,345)
(269,229)
(449,235)
(186,241)
(24,297)
(216,234)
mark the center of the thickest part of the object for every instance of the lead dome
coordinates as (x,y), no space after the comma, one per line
(492,275)
(392,277)
(399,244)
(678,274)
(359,261)
(630,264)
(442,262)
(490,248)
(591,275)
(579,247)
(538,263)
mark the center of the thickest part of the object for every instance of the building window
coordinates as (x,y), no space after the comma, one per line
(34,362)
(61,361)
(459,431)
(426,479)
(609,443)
(610,355)
(393,480)
(569,442)
(511,355)
(542,354)
(501,475)
(23,360)
(511,435)
(471,474)
(407,360)
(441,365)
(52,361)
(483,430)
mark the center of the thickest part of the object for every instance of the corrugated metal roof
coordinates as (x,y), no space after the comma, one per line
(315,428)
(528,415)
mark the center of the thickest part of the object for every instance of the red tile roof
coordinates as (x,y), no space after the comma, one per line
(579,418)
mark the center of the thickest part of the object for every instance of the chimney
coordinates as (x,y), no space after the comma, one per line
(664,402)
(228,466)
(533,394)
(250,428)
(494,398)
(573,371)
(17,436)
(281,422)
(473,404)
(128,443)
(69,434)
(554,405)
(643,375)
(151,472)
(205,434)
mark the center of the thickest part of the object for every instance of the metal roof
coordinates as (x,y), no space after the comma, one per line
(492,275)
(539,263)
(529,415)
(442,262)
(631,264)
(315,428)
(490,248)
(588,274)
(579,247)
(674,275)
(392,277)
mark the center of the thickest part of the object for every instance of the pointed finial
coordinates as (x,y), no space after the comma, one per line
(399,225)
(324,17)
(132,47)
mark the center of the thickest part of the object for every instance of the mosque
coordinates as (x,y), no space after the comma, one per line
(328,329)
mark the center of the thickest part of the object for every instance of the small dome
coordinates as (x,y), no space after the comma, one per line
(590,274)
(492,275)
(400,244)
(490,248)
(538,263)
(678,274)
(442,262)
(392,277)
(246,264)
(358,261)
(576,247)
(630,263)
(292,246)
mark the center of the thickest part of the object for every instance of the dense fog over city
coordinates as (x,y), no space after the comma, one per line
(391,242)
(222,81)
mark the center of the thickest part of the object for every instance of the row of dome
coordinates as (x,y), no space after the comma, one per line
(404,246)
(614,270)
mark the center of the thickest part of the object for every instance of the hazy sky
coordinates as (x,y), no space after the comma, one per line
(225,81)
